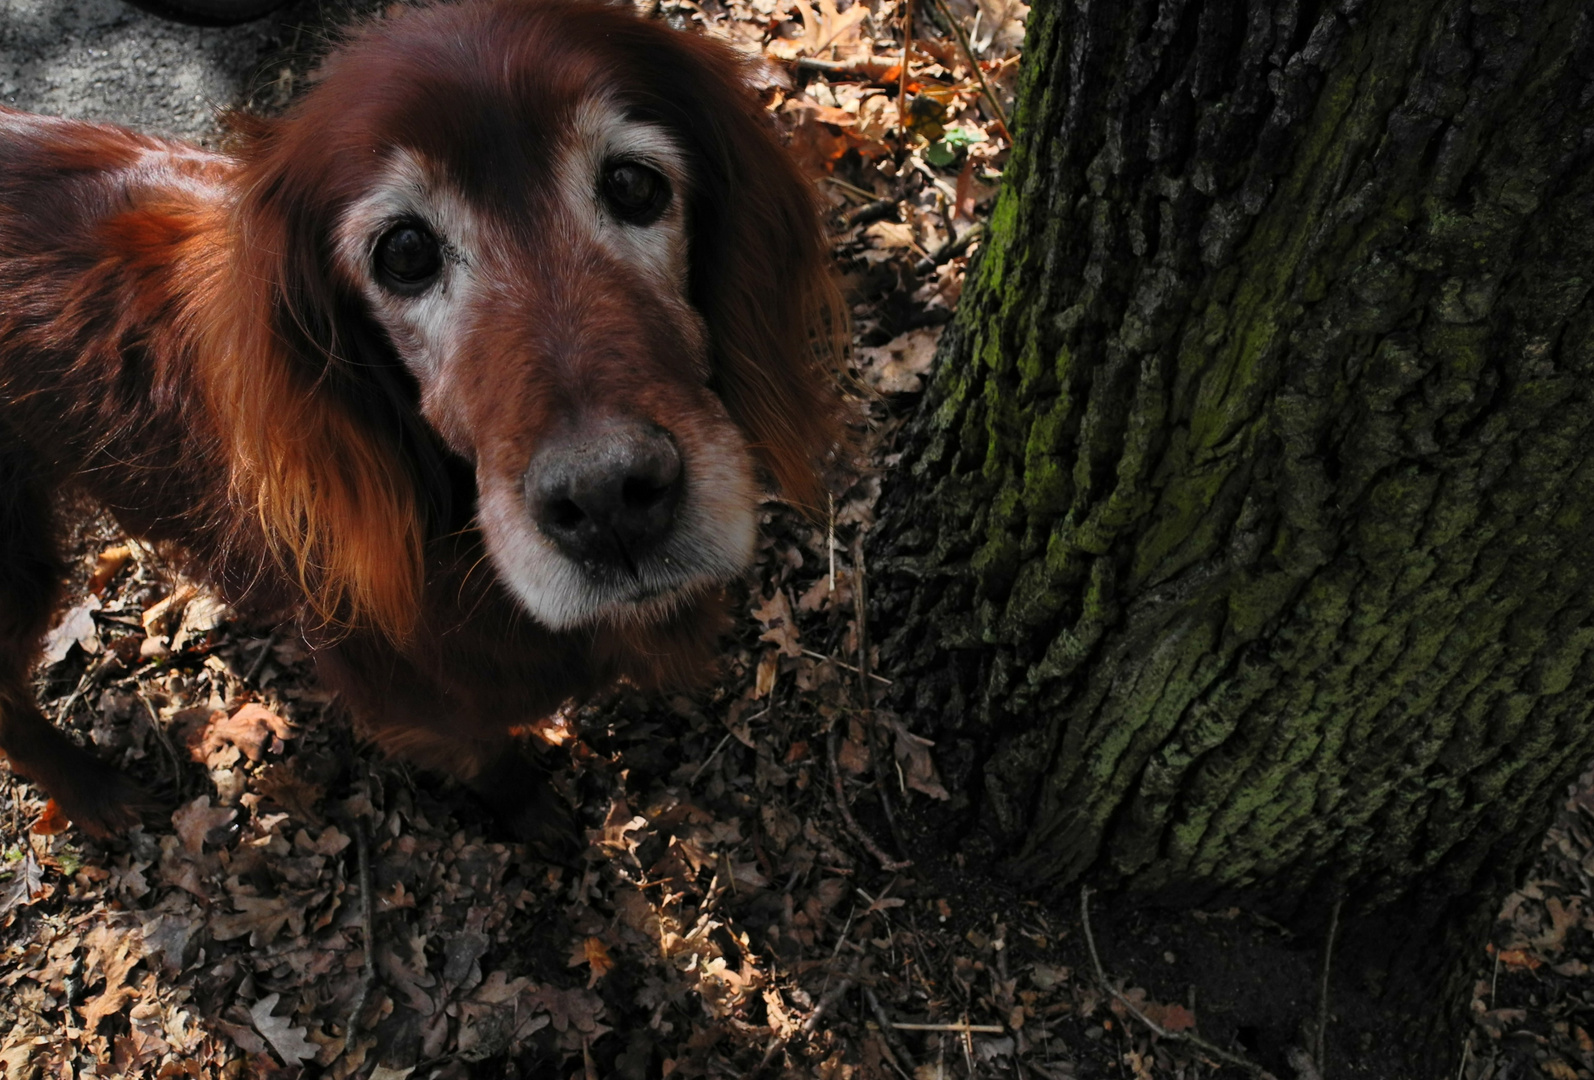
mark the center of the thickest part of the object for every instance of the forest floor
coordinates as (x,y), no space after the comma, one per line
(746,905)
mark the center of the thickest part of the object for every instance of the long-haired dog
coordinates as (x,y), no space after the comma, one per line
(477,362)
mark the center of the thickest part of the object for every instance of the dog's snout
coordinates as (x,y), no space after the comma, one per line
(609,497)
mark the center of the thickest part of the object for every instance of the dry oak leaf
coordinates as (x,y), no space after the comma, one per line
(780,628)
(249,729)
(1173,1017)
(77,627)
(113,952)
(26,885)
(898,366)
(592,952)
(918,769)
(195,820)
(288,1041)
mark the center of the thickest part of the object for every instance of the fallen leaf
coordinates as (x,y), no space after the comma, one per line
(109,562)
(1173,1017)
(898,366)
(195,820)
(913,756)
(249,729)
(774,614)
(288,1041)
(77,627)
(26,885)
(592,952)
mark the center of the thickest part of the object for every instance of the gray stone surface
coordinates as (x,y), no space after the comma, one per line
(107,60)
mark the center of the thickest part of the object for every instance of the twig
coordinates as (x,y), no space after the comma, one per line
(830,540)
(1319,1050)
(368,976)
(1156,1028)
(165,741)
(847,667)
(968,52)
(888,1029)
(709,759)
(860,599)
(259,661)
(851,189)
(902,76)
(962,1027)
(951,249)
(862,837)
(826,1002)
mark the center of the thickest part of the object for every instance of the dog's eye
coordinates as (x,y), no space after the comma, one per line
(408,257)
(635,193)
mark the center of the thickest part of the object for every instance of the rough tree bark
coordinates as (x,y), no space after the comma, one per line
(1246,544)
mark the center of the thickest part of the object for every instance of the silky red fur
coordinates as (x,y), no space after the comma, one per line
(175,343)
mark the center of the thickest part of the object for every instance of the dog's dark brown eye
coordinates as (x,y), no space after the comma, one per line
(408,257)
(635,193)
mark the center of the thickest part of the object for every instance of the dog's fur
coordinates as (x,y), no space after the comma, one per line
(214,348)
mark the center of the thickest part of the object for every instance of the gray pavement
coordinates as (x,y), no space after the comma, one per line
(106,60)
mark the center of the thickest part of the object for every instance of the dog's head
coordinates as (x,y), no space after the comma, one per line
(568,241)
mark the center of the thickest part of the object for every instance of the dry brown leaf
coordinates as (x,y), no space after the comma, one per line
(913,756)
(26,885)
(592,952)
(898,366)
(77,627)
(288,1041)
(111,560)
(1173,1017)
(774,615)
(195,820)
(768,667)
(249,729)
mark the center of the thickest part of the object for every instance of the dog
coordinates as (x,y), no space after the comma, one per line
(477,363)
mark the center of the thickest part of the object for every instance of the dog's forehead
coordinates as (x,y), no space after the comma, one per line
(494,89)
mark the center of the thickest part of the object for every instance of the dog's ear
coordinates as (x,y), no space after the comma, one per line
(313,433)
(761,275)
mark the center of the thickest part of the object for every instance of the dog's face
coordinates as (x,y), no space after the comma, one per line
(576,237)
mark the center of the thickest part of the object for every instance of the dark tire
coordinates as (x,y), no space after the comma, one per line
(210,12)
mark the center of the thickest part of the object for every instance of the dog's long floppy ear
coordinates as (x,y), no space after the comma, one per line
(314,438)
(761,273)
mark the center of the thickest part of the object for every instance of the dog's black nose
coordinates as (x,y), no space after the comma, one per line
(610,496)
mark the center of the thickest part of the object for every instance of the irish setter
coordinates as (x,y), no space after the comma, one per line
(476,362)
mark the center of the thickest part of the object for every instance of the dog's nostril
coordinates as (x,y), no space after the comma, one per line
(609,497)
(565,514)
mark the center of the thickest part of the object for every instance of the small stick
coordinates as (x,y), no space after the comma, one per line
(831,996)
(165,741)
(259,662)
(886,861)
(962,1027)
(852,189)
(830,540)
(860,598)
(902,76)
(368,977)
(888,1029)
(968,51)
(708,760)
(1156,1028)
(847,667)
(1322,991)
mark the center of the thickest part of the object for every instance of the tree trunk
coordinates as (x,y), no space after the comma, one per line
(1246,542)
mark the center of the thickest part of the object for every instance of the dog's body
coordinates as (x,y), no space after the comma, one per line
(475,362)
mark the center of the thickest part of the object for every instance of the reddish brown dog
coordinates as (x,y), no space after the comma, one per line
(476,362)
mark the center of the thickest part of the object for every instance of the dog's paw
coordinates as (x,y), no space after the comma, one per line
(100,799)
(523,800)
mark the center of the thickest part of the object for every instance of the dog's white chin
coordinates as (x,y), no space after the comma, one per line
(711,543)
